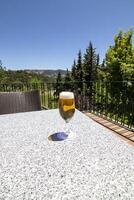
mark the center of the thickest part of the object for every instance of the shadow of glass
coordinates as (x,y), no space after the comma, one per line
(59,136)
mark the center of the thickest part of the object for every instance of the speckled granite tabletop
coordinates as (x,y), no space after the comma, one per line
(95,165)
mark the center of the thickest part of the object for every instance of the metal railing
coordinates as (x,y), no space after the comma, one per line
(112,100)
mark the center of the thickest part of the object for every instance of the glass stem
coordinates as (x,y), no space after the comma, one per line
(67,129)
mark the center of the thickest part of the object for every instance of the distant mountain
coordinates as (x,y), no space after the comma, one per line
(47,72)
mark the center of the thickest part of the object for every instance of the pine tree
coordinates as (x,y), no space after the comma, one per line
(67,81)
(103,63)
(59,84)
(90,64)
(0,64)
(73,71)
(74,75)
(98,60)
(91,60)
(79,71)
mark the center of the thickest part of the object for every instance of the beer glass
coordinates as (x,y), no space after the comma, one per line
(67,110)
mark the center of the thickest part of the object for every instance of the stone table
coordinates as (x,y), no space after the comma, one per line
(95,165)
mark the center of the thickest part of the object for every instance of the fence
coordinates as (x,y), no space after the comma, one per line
(112,100)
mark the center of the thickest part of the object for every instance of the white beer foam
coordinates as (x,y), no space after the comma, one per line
(66,95)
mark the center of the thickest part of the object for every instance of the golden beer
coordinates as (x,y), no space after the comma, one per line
(66,105)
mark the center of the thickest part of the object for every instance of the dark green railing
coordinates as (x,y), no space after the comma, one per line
(114,100)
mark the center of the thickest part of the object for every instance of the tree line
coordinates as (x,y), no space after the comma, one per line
(22,77)
(117,66)
(108,87)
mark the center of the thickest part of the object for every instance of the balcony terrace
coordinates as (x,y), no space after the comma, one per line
(95,164)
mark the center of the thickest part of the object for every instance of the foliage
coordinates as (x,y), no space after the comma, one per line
(2,72)
(120,58)
(67,81)
(79,72)
(120,72)
(73,72)
(59,84)
(22,77)
(91,60)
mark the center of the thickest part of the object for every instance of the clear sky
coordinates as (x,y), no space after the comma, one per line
(48,33)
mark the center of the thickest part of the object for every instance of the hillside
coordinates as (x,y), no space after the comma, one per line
(47,72)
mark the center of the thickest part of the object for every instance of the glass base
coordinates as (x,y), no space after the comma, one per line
(70,134)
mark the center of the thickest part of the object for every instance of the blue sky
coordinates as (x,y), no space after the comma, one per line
(48,33)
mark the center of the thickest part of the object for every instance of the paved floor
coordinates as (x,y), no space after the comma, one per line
(118,130)
(93,165)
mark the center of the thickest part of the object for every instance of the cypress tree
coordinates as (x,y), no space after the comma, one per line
(90,71)
(73,72)
(67,81)
(91,60)
(59,84)
(98,60)
(79,71)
